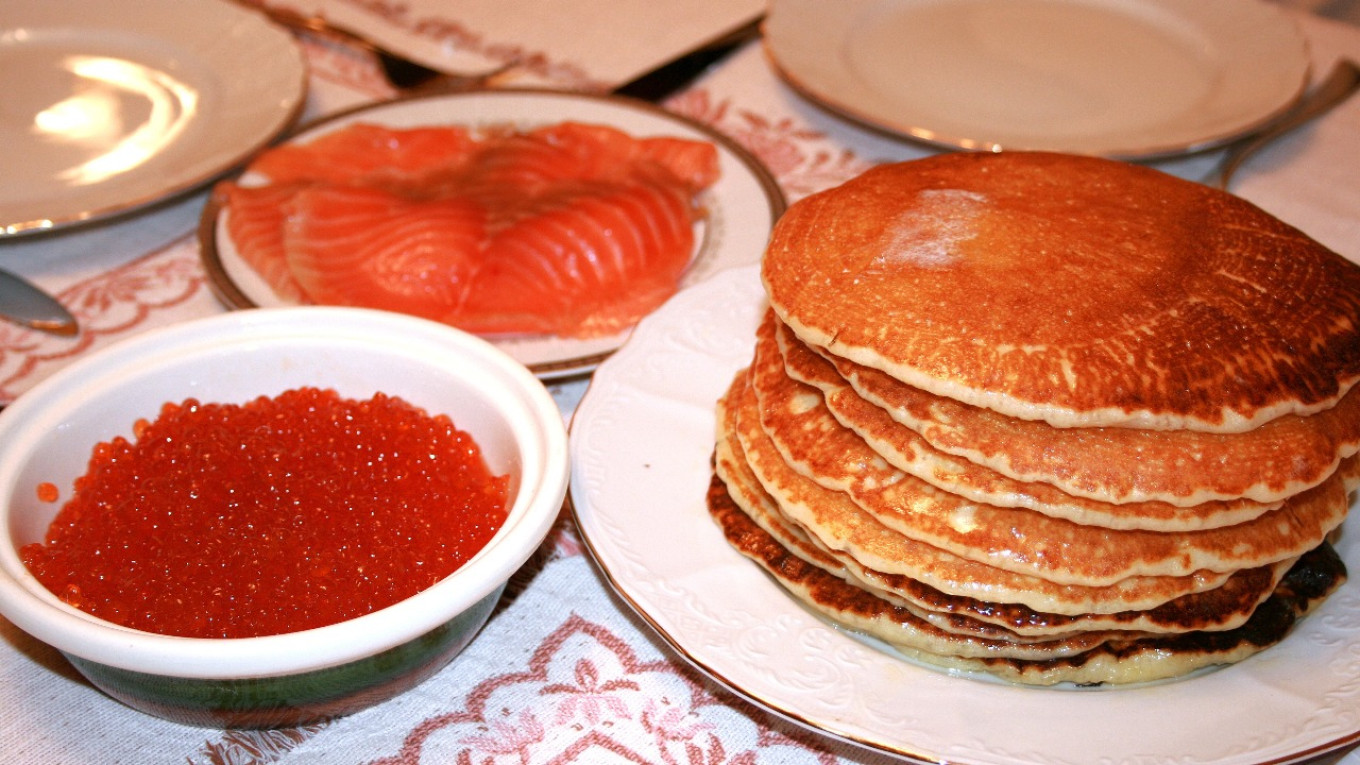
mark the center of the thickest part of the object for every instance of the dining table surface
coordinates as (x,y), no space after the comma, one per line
(565,670)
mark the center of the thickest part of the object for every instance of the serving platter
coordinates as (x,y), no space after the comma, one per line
(1131,79)
(641,441)
(116,105)
(741,207)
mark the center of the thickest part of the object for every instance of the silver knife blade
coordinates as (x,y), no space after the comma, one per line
(23,303)
(672,76)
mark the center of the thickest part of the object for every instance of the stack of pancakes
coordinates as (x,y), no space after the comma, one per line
(1059,419)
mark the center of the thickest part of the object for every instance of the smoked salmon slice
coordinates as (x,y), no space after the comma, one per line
(693,162)
(569,229)
(590,260)
(254,221)
(353,245)
(372,154)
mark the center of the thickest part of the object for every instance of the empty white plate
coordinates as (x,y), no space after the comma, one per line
(1134,79)
(114,105)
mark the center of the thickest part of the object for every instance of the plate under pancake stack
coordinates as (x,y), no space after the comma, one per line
(1055,418)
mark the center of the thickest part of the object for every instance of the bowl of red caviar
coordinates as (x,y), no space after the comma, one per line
(274,517)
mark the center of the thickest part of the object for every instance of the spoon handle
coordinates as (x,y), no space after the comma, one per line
(1340,83)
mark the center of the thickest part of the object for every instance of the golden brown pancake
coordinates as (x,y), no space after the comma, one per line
(1058,419)
(1110,660)
(1316,576)
(904,449)
(917,627)
(1126,464)
(1222,607)
(873,616)
(843,528)
(1076,290)
(1015,539)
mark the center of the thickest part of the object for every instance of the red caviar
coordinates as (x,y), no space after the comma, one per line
(282,514)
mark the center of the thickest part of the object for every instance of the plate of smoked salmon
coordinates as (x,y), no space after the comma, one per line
(113,106)
(547,222)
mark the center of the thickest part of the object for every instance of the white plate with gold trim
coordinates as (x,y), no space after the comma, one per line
(641,440)
(114,105)
(1133,79)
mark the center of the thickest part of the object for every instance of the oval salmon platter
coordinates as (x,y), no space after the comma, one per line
(740,207)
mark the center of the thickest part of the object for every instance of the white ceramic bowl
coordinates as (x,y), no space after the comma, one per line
(49,432)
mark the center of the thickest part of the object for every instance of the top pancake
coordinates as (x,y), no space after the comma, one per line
(1076,290)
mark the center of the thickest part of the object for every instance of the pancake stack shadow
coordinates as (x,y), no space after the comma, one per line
(1055,419)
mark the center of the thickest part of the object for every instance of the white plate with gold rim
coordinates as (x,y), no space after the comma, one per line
(641,440)
(1134,79)
(114,105)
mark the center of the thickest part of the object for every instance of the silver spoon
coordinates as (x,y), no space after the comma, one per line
(1340,83)
(24,303)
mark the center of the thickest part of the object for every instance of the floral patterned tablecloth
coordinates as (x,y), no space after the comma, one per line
(563,672)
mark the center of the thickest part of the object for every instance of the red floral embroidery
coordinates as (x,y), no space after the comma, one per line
(610,696)
(798,157)
(256,747)
(107,306)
